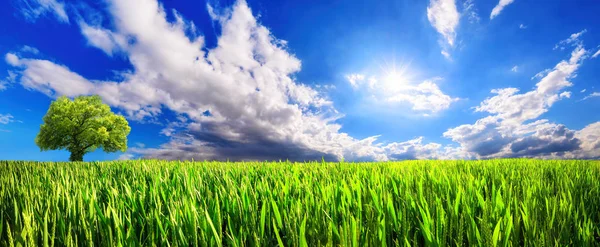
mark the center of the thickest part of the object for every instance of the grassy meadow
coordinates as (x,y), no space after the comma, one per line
(507,202)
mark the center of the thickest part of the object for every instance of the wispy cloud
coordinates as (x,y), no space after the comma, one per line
(572,40)
(499,7)
(470,11)
(522,26)
(592,95)
(515,68)
(596,54)
(354,79)
(34,9)
(444,17)
(6,118)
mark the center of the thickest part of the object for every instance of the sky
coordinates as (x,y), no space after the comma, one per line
(305,80)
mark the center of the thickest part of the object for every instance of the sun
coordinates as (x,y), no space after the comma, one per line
(396,77)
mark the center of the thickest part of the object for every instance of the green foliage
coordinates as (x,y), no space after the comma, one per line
(81,126)
(514,202)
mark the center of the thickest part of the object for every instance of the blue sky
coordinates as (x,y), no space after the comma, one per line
(301,80)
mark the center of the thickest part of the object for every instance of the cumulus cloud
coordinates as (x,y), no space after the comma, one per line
(590,142)
(424,97)
(511,106)
(49,78)
(499,7)
(238,101)
(34,9)
(509,130)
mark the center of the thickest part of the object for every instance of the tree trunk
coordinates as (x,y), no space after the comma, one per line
(76,156)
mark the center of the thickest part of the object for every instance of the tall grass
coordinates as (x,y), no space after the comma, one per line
(513,202)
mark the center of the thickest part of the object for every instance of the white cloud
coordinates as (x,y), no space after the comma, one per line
(470,11)
(590,141)
(572,40)
(49,78)
(499,7)
(8,80)
(583,90)
(592,95)
(354,79)
(515,68)
(6,118)
(446,54)
(444,17)
(509,105)
(126,156)
(596,54)
(522,26)
(34,9)
(29,49)
(101,38)
(266,114)
(509,132)
(425,97)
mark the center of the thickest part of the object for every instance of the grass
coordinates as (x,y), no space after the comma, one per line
(510,202)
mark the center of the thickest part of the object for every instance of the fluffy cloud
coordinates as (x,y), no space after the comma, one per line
(590,141)
(236,101)
(33,9)
(49,78)
(511,106)
(102,38)
(499,7)
(424,97)
(509,132)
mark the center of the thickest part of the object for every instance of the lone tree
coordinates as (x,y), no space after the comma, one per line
(81,126)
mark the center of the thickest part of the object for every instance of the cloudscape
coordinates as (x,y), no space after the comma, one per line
(310,80)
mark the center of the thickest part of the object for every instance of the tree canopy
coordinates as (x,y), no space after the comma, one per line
(81,126)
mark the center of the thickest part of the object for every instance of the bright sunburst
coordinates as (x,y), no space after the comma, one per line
(396,77)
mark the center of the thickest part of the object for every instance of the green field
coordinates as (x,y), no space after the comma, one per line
(511,202)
